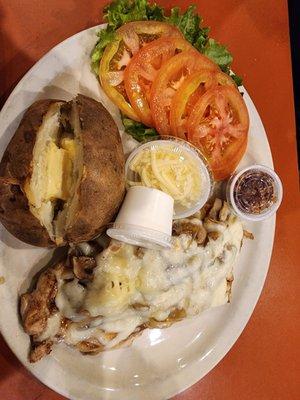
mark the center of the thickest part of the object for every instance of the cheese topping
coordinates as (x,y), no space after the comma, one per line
(132,286)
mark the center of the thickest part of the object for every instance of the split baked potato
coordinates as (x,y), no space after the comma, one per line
(62,174)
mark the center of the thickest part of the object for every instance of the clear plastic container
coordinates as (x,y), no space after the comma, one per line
(186,151)
(254,193)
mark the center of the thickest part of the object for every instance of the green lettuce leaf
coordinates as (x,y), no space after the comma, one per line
(201,39)
(189,23)
(155,12)
(219,54)
(137,130)
(119,12)
(105,36)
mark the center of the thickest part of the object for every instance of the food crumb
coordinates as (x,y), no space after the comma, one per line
(248,235)
(2,280)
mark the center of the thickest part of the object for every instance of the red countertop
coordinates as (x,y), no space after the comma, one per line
(264,362)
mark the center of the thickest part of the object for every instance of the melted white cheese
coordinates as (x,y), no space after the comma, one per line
(53,325)
(69,298)
(130,288)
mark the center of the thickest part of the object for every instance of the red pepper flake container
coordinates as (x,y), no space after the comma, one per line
(255,193)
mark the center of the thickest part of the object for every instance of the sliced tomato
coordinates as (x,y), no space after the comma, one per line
(218,125)
(186,97)
(117,55)
(169,79)
(143,68)
(222,79)
(189,93)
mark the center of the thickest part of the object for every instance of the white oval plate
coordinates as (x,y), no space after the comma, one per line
(160,363)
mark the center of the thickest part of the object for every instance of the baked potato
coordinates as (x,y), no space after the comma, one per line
(62,174)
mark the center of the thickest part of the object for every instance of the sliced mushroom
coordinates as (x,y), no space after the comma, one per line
(64,270)
(185,226)
(213,235)
(154,324)
(39,350)
(64,324)
(212,225)
(202,213)
(91,346)
(128,341)
(175,315)
(214,211)
(224,212)
(83,267)
(201,235)
(192,227)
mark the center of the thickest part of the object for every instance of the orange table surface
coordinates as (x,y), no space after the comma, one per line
(264,362)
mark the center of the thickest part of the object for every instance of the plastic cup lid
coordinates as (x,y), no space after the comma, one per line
(139,236)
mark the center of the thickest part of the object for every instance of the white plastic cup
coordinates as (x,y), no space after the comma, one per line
(145,218)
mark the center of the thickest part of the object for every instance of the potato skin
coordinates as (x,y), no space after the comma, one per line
(15,168)
(102,187)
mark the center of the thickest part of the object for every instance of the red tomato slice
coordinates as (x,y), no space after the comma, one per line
(189,93)
(142,70)
(222,79)
(117,55)
(167,82)
(186,97)
(218,125)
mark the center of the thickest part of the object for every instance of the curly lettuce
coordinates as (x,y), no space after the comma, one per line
(118,12)
(137,130)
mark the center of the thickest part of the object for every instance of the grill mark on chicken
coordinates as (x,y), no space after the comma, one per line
(37,307)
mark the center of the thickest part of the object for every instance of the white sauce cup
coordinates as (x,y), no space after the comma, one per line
(145,219)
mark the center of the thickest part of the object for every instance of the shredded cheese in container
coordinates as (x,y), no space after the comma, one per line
(170,169)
